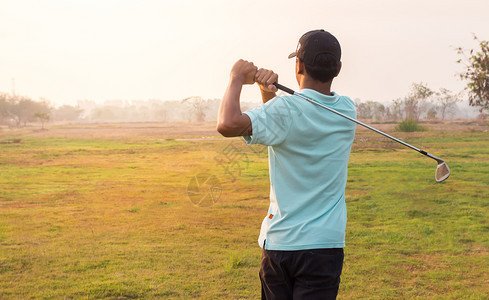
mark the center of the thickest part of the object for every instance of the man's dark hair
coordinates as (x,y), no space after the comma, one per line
(325,67)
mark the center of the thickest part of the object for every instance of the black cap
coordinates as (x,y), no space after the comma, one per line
(316,42)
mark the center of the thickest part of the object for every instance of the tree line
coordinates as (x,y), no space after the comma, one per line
(421,103)
(19,111)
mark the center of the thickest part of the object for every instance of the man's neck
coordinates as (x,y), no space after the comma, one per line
(318,86)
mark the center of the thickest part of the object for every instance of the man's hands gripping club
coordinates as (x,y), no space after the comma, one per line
(231,121)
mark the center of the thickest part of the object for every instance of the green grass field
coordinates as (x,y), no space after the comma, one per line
(115,218)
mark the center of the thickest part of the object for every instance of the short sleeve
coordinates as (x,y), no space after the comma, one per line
(270,122)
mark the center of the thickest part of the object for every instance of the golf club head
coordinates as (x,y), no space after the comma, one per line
(442,171)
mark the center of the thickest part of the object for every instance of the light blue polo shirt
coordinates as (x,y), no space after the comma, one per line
(308,153)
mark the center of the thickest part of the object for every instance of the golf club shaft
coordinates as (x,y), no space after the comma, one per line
(292,92)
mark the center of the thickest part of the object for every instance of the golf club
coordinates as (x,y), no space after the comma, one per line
(442,170)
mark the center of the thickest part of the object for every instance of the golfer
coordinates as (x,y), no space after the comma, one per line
(303,233)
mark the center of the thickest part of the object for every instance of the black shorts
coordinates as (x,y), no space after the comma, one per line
(302,274)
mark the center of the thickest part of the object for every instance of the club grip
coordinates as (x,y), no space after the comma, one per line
(283,88)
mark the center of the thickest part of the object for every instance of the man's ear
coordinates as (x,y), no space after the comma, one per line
(339,69)
(300,67)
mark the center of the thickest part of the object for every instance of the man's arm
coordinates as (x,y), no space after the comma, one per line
(230,120)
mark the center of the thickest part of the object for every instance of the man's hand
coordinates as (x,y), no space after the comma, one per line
(244,72)
(265,79)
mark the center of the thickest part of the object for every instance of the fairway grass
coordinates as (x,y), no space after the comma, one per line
(115,218)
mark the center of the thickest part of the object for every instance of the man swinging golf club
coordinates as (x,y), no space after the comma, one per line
(303,234)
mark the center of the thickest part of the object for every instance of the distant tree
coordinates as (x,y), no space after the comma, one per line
(431,114)
(43,108)
(198,105)
(19,110)
(476,74)
(410,107)
(447,102)
(4,106)
(415,102)
(371,110)
(144,113)
(213,107)
(67,113)
(396,109)
(43,117)
(104,113)
(379,111)
(22,109)
(364,111)
(159,113)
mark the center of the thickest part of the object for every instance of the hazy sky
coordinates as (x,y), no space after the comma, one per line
(66,50)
